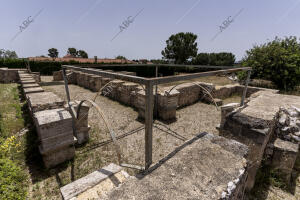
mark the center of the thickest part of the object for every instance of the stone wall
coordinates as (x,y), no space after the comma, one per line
(268,125)
(52,121)
(131,93)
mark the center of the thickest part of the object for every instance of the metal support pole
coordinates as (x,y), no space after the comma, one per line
(148,124)
(156,96)
(72,111)
(245,89)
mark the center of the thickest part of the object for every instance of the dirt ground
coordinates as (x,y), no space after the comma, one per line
(100,151)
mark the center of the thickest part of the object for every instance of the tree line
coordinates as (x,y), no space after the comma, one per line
(53,53)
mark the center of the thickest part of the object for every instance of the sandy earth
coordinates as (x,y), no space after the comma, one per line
(123,119)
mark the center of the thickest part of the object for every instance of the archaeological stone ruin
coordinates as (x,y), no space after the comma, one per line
(263,131)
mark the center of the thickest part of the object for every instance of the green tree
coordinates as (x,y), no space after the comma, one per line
(82,54)
(201,59)
(121,57)
(180,47)
(8,54)
(277,61)
(53,53)
(72,51)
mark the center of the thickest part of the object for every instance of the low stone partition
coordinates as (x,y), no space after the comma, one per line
(52,121)
(189,93)
(10,75)
(255,125)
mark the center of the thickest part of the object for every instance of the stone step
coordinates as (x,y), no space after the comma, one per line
(95,184)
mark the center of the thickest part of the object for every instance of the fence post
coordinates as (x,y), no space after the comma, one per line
(245,89)
(148,124)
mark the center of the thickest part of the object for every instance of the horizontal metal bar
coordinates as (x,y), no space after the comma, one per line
(161,65)
(156,80)
(169,79)
(113,75)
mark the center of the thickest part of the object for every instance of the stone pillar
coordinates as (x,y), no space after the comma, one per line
(167,105)
(228,108)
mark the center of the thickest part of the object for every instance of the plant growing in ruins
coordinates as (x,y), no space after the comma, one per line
(181,47)
(277,61)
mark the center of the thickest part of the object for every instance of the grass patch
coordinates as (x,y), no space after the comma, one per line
(13,179)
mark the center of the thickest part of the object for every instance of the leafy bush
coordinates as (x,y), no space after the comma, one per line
(277,61)
(12,181)
(214,59)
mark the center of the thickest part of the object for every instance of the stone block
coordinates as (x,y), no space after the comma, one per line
(222,92)
(83,134)
(104,81)
(95,83)
(30,85)
(284,158)
(72,79)
(32,90)
(52,123)
(141,103)
(43,101)
(58,76)
(125,92)
(226,109)
(88,80)
(31,81)
(25,76)
(80,79)
(57,157)
(74,189)
(36,76)
(57,142)
(189,94)
(167,104)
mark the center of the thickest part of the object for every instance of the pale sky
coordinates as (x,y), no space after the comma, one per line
(91,24)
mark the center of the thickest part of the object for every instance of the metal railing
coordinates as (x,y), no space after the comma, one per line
(149,83)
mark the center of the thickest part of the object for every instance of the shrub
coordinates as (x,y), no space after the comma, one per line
(12,181)
(277,61)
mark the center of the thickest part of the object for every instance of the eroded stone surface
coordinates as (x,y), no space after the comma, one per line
(89,182)
(200,169)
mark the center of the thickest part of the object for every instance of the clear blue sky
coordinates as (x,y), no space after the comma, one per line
(91,24)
